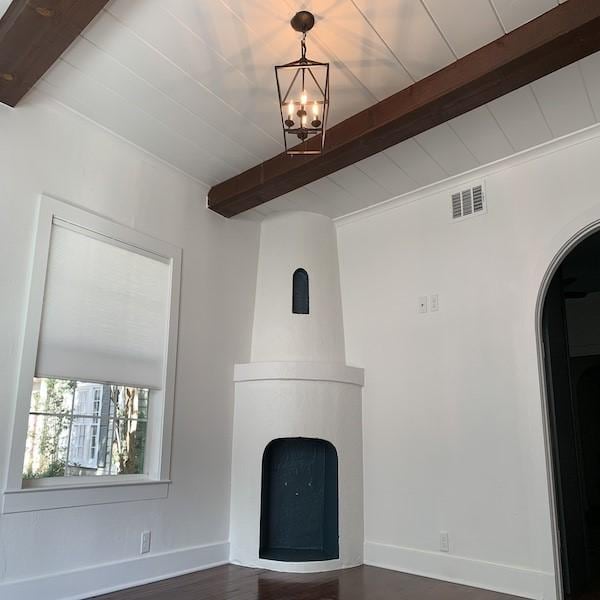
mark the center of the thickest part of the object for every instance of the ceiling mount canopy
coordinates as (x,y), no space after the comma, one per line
(303,90)
(303,21)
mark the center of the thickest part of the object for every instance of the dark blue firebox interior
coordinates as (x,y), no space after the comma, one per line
(299,508)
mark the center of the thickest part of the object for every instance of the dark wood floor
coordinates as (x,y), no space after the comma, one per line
(230,582)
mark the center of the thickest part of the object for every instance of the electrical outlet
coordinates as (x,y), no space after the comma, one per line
(434,303)
(422,306)
(145,542)
(444,541)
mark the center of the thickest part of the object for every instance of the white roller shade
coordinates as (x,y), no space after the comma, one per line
(105,311)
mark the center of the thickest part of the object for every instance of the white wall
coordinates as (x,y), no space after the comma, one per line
(45,148)
(453,431)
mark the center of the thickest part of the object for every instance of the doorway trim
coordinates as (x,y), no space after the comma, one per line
(563,252)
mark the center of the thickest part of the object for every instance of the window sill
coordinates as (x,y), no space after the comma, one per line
(67,496)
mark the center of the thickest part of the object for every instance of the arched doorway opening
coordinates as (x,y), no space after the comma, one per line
(570,338)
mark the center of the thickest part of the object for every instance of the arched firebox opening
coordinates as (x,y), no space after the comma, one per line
(299,502)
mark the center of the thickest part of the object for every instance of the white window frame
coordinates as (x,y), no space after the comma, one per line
(59,492)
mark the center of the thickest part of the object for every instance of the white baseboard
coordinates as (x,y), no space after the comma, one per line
(83,583)
(109,577)
(506,579)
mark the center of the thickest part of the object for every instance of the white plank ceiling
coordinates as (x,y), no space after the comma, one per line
(191,81)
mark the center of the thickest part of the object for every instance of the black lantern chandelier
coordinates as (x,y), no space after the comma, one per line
(304,103)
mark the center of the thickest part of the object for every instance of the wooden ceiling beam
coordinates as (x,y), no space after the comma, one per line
(554,40)
(33,34)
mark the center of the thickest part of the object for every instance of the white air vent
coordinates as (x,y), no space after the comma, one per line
(468,203)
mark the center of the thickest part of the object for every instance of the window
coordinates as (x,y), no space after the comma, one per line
(300,292)
(63,430)
(93,442)
(96,386)
(97,392)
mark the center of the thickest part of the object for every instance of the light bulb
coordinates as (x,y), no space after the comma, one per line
(290,109)
(303,98)
(316,109)
(304,121)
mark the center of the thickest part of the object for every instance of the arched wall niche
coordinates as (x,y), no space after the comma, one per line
(300,292)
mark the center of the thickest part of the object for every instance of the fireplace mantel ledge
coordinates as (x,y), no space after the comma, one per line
(311,371)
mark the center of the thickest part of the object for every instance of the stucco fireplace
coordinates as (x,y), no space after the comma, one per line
(297,487)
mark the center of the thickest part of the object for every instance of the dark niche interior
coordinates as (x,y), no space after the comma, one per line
(299,504)
(300,297)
